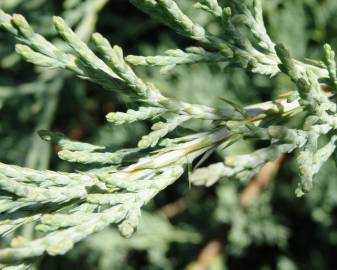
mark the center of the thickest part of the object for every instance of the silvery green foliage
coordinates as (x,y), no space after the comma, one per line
(154,235)
(68,207)
(39,94)
(255,223)
(242,167)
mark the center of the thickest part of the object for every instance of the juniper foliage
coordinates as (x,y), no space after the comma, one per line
(116,184)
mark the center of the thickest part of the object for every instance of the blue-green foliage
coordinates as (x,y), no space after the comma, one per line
(275,231)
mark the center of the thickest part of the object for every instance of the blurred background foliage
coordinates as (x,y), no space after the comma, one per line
(233,225)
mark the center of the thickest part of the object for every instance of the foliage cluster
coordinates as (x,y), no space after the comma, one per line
(205,106)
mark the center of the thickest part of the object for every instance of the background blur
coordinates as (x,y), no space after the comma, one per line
(227,226)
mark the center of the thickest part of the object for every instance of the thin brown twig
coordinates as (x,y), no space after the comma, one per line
(260,181)
(206,255)
(173,209)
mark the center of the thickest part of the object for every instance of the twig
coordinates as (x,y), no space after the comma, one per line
(260,181)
